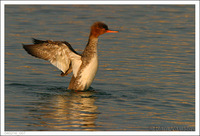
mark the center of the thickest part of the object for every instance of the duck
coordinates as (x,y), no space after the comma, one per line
(84,66)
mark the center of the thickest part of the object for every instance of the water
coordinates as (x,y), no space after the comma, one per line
(146,76)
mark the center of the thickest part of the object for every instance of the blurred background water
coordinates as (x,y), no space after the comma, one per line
(146,76)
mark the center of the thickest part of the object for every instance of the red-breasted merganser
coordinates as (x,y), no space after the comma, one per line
(64,57)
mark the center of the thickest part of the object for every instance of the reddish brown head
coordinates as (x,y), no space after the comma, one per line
(99,28)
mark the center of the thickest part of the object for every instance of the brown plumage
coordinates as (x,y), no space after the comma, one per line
(64,57)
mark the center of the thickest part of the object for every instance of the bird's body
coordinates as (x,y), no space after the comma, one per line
(65,58)
(88,68)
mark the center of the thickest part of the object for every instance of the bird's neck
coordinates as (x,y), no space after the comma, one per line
(91,47)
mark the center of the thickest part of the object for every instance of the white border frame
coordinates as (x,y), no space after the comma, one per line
(182,133)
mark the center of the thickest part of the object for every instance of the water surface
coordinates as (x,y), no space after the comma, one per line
(146,76)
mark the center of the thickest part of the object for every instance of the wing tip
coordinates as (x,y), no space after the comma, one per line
(33,40)
(24,46)
(37,41)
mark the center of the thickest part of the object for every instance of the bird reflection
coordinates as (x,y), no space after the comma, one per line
(68,112)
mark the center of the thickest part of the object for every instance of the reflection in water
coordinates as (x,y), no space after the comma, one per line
(74,111)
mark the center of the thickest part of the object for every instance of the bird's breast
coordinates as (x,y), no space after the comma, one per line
(88,72)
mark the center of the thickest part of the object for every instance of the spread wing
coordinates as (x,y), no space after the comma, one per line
(59,53)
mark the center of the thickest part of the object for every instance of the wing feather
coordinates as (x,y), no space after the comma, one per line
(60,54)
